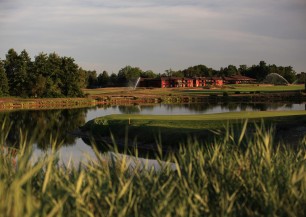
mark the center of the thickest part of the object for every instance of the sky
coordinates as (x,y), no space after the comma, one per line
(158,34)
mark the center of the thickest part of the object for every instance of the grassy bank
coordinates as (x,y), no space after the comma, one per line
(243,177)
(47,103)
(128,95)
(249,93)
(187,91)
(176,128)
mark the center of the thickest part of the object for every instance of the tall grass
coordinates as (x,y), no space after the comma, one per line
(233,176)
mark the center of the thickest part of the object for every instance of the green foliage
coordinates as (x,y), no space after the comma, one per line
(12,69)
(46,76)
(92,79)
(113,80)
(262,70)
(128,75)
(197,71)
(237,175)
(229,71)
(4,87)
(103,79)
(44,123)
(148,74)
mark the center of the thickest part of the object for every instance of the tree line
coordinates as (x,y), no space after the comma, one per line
(50,75)
(128,75)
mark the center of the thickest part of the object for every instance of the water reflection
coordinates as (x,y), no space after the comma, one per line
(43,124)
(130,109)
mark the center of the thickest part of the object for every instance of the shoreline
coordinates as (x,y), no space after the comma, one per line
(126,96)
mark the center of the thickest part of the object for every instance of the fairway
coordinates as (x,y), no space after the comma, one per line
(205,117)
(194,91)
(176,128)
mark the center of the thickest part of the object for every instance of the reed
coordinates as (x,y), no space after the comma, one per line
(236,175)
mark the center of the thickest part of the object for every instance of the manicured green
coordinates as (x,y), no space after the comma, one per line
(206,121)
(236,175)
(176,128)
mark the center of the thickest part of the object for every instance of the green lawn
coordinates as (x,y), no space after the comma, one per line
(177,121)
(126,91)
(176,128)
(248,89)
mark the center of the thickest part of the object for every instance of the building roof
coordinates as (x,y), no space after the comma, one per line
(209,78)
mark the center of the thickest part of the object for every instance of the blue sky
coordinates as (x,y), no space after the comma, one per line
(158,35)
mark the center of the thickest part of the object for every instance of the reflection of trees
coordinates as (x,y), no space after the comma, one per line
(197,107)
(243,106)
(200,107)
(104,106)
(129,109)
(147,107)
(230,106)
(41,126)
(288,106)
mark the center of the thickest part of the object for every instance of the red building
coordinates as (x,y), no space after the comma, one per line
(164,82)
(204,81)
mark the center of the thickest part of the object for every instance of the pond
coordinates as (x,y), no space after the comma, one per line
(45,125)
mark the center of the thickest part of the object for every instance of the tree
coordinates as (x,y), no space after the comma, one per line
(242,70)
(17,68)
(259,72)
(21,77)
(178,74)
(262,71)
(197,71)
(128,75)
(103,79)
(69,79)
(113,79)
(11,67)
(304,83)
(289,74)
(91,79)
(83,78)
(169,72)
(229,71)
(46,76)
(148,74)
(4,87)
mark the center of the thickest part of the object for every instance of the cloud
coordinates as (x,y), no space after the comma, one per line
(158,34)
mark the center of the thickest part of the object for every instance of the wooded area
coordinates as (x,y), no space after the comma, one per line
(50,75)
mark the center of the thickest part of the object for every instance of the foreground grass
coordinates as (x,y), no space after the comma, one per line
(233,176)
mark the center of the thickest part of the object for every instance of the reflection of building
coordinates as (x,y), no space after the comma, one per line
(164,82)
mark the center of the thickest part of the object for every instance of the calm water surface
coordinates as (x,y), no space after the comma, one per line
(44,124)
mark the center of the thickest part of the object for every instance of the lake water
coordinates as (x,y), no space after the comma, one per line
(46,124)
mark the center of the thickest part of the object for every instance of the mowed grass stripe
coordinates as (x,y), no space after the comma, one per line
(204,117)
